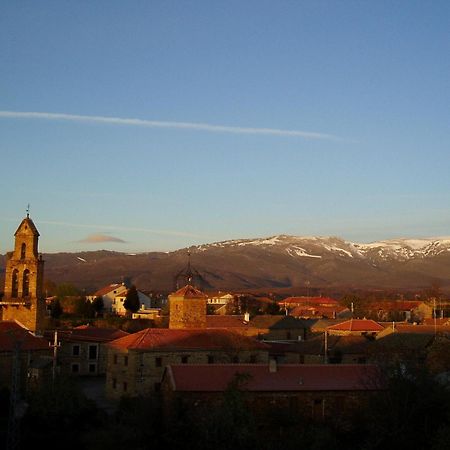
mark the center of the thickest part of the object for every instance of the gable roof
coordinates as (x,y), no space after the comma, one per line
(357,325)
(89,333)
(29,224)
(155,339)
(107,289)
(11,333)
(189,291)
(287,377)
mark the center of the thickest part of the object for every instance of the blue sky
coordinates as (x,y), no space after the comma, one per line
(164,124)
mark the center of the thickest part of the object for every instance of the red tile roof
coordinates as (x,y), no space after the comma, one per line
(357,325)
(287,377)
(311,311)
(94,334)
(309,301)
(194,339)
(12,332)
(107,289)
(189,291)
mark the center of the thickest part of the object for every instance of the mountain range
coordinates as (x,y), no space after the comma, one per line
(279,263)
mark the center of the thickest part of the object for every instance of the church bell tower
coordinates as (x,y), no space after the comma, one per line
(23,298)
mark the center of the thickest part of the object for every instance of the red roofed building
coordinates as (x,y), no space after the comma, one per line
(108,294)
(400,310)
(136,362)
(356,327)
(317,391)
(34,354)
(291,302)
(82,351)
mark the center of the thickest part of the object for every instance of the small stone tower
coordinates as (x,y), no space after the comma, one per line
(23,298)
(187,308)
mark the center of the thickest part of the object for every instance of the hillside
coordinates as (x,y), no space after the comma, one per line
(278,263)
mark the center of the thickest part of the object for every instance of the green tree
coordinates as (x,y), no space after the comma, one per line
(56,309)
(132,303)
(98,305)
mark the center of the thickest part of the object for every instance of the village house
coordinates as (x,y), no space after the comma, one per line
(358,327)
(318,392)
(221,303)
(145,303)
(82,351)
(399,310)
(33,352)
(136,362)
(108,294)
(322,349)
(280,327)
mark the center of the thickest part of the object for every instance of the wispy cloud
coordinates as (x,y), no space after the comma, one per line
(96,238)
(165,124)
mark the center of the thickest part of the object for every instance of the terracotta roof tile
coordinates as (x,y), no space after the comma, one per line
(287,377)
(194,339)
(189,291)
(11,332)
(107,289)
(357,325)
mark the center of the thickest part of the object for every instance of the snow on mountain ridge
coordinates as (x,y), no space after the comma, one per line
(314,246)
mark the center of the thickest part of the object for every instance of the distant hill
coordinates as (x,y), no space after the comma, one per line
(278,263)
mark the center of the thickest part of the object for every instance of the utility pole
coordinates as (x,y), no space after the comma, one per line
(55,346)
(13,433)
(325,353)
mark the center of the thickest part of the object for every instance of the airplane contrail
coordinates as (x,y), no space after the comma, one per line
(168,124)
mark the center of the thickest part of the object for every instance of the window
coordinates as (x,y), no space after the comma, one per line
(15,284)
(75,368)
(23,250)
(93,351)
(125,360)
(184,359)
(158,362)
(114,383)
(252,359)
(26,283)
(92,368)
(210,359)
(125,386)
(115,359)
(235,359)
(75,350)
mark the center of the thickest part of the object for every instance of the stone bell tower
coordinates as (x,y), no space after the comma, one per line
(23,298)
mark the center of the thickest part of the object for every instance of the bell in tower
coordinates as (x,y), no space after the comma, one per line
(23,300)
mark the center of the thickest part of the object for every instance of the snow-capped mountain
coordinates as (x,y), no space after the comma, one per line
(278,262)
(317,247)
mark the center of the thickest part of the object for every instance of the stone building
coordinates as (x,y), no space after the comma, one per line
(317,392)
(187,308)
(23,299)
(136,362)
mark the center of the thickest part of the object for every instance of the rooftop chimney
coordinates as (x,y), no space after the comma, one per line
(272,365)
